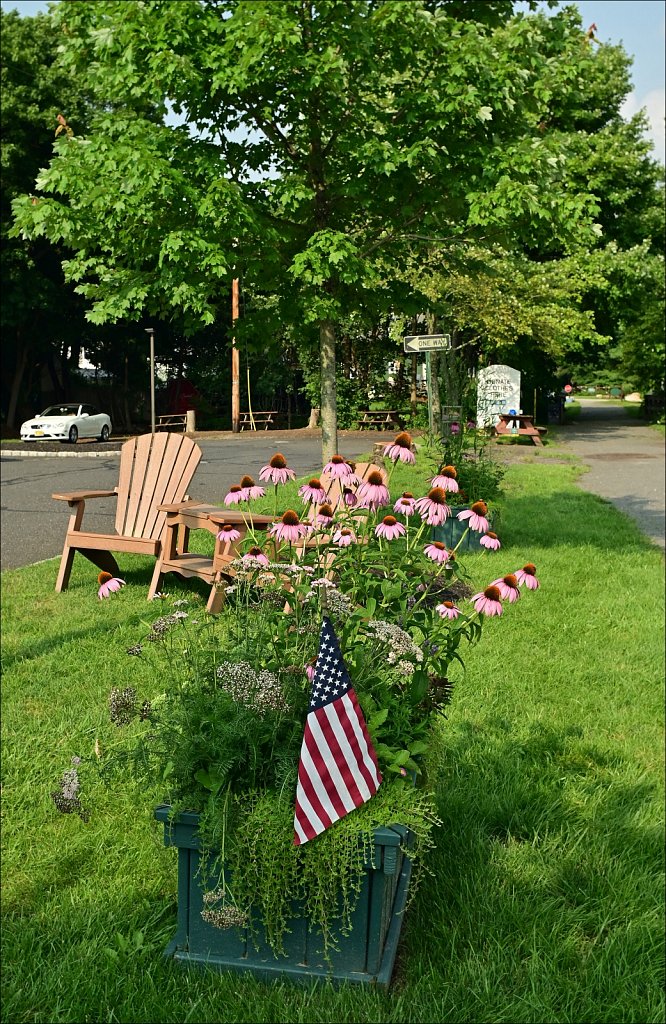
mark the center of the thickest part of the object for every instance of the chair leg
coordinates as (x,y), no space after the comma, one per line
(216,598)
(65,569)
(104,560)
(155,582)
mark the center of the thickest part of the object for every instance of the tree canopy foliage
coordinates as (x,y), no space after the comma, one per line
(342,158)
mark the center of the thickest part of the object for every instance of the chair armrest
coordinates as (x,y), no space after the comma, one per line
(74,496)
(177,506)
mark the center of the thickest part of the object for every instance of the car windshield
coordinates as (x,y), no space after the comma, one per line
(61,410)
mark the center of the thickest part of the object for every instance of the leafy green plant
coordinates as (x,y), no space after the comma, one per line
(222,735)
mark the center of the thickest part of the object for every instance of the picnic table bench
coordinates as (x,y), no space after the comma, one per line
(379,419)
(254,420)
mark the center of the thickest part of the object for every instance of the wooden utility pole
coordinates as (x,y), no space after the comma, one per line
(235,363)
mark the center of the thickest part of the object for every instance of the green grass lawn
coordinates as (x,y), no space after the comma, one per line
(544,901)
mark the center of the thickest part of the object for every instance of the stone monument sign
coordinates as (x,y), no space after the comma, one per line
(498,391)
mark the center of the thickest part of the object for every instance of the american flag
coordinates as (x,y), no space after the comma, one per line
(338,767)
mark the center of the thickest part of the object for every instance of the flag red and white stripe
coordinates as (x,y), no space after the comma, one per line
(338,767)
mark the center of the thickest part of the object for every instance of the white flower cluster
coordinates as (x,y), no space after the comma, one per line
(337,603)
(66,798)
(400,644)
(70,784)
(260,691)
(296,570)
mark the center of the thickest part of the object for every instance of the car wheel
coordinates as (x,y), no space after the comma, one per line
(73,435)
(104,436)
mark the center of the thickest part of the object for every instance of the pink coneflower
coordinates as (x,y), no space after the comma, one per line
(508,587)
(228,533)
(235,495)
(310,669)
(487,602)
(448,610)
(250,489)
(471,424)
(400,448)
(108,584)
(348,497)
(344,537)
(490,540)
(277,470)
(290,528)
(454,428)
(527,575)
(324,515)
(312,491)
(373,492)
(433,507)
(257,555)
(477,517)
(338,467)
(446,479)
(437,551)
(405,505)
(389,528)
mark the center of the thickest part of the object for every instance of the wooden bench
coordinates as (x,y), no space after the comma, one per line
(254,420)
(171,421)
(379,419)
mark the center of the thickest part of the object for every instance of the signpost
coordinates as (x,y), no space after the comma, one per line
(427,343)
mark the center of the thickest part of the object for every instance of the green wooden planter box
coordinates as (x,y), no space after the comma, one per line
(366,955)
(453,529)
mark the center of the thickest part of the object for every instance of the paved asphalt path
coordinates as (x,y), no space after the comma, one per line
(625,459)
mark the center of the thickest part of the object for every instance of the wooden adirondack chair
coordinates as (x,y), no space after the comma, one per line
(154,469)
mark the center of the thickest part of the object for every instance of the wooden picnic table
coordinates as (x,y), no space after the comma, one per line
(518,424)
(171,421)
(379,419)
(254,420)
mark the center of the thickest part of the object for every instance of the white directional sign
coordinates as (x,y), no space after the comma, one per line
(426,342)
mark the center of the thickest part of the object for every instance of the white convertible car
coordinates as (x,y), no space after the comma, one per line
(67,422)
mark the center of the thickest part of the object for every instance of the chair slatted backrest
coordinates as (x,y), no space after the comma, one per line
(155,469)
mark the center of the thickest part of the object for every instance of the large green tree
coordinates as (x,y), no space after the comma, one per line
(43,321)
(40,316)
(321,142)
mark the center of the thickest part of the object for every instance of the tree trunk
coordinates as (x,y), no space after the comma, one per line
(17,379)
(412,385)
(329,415)
(452,371)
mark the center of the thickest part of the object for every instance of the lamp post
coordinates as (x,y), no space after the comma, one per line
(150,331)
